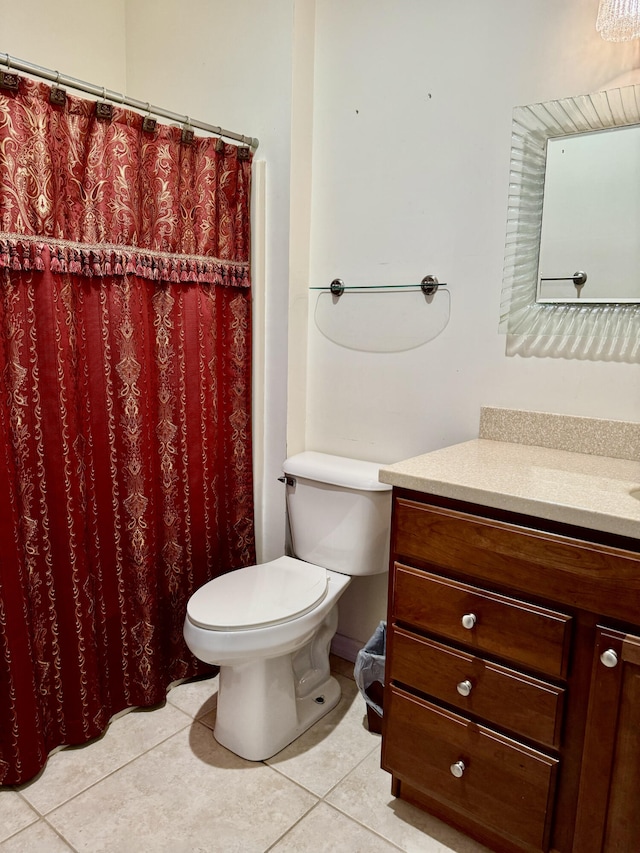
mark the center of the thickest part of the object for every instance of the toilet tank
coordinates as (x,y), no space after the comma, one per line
(340,515)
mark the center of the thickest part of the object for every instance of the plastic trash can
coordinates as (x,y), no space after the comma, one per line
(369,676)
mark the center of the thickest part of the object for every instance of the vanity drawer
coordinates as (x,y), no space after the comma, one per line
(504,697)
(500,782)
(497,624)
(574,573)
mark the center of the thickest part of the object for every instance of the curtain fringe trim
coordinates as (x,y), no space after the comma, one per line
(20,254)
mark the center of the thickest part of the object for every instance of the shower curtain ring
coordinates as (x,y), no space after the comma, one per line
(104,110)
(148,122)
(244,151)
(57,95)
(187,132)
(9,80)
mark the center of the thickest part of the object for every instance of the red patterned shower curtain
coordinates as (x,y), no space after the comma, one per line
(125,405)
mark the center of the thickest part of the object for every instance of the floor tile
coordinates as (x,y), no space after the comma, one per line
(330,749)
(72,770)
(324,830)
(158,781)
(187,794)
(15,814)
(197,698)
(37,838)
(365,795)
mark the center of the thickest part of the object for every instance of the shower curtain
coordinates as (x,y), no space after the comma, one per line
(125,409)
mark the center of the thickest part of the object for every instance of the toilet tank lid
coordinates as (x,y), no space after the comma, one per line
(336,471)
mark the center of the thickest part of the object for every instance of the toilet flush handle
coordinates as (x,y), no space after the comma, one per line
(290,481)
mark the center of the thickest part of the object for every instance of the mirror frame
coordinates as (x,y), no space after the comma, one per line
(533,125)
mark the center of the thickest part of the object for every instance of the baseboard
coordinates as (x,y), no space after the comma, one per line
(345,647)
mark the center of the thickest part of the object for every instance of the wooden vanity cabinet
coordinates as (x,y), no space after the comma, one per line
(512,687)
(608,814)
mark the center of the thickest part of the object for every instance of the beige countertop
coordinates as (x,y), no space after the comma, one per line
(587,490)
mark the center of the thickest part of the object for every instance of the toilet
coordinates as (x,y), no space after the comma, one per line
(269,627)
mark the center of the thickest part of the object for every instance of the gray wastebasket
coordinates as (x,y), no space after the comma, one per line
(369,676)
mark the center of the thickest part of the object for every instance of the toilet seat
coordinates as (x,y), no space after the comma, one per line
(258,596)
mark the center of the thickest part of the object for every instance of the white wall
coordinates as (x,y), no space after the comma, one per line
(412,125)
(77,38)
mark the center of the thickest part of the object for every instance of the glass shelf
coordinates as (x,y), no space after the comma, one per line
(383,318)
(364,287)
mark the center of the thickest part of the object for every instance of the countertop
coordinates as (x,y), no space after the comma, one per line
(583,489)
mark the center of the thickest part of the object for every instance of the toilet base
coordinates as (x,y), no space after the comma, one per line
(255,737)
(265,704)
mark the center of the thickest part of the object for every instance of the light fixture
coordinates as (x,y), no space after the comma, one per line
(619,20)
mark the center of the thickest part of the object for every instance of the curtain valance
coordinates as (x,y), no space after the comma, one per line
(20,253)
(97,197)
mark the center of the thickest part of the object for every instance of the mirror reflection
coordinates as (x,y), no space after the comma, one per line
(590,232)
(539,129)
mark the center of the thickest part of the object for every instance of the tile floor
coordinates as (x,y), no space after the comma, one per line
(158,781)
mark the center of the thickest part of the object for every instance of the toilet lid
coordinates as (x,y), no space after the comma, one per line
(257,596)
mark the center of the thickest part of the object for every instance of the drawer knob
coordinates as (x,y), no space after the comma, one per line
(469,620)
(609,658)
(458,769)
(464,688)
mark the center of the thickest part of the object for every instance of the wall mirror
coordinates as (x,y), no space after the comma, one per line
(572,257)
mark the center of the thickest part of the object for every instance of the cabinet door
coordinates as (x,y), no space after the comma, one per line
(608,818)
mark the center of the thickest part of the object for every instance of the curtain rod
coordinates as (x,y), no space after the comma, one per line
(122,100)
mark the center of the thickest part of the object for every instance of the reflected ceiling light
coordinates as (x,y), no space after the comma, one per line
(619,20)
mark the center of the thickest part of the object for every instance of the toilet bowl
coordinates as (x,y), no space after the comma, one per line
(269,626)
(274,676)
